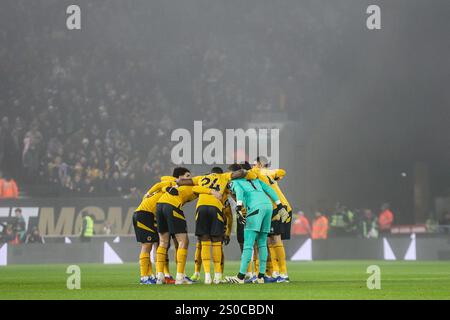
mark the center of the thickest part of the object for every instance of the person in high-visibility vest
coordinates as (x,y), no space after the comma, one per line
(320,226)
(87,230)
(338,221)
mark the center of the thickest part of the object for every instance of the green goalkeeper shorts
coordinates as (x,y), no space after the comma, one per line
(259,218)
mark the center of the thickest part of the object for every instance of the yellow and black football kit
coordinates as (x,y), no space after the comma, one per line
(277,251)
(276,175)
(144,220)
(170,218)
(209,218)
(228,216)
(169,215)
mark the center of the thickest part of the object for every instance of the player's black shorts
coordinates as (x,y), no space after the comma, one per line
(209,221)
(144,224)
(275,226)
(286,228)
(170,219)
(240,232)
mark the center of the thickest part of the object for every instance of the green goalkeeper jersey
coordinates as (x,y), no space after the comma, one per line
(252,193)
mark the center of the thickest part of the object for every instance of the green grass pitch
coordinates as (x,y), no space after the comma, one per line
(309,280)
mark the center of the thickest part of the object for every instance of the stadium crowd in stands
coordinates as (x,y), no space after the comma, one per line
(94,118)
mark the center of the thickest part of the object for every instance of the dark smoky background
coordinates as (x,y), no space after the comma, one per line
(364,114)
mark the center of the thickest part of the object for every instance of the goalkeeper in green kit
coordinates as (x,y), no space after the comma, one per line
(254,195)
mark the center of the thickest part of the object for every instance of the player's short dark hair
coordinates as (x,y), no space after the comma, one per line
(234,167)
(179,171)
(245,165)
(216,170)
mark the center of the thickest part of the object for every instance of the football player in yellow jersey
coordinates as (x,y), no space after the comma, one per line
(228,215)
(171,220)
(209,219)
(228,218)
(144,223)
(280,225)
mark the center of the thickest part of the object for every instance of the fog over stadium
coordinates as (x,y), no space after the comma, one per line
(364,113)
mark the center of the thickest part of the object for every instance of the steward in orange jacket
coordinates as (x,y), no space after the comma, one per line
(385,219)
(320,227)
(9,189)
(301,225)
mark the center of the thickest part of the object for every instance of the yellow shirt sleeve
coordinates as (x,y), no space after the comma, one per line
(251,175)
(200,189)
(158,186)
(279,174)
(168,178)
(196,180)
(227,175)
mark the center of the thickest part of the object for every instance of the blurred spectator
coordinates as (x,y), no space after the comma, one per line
(432,223)
(9,235)
(368,226)
(343,221)
(19,224)
(301,225)
(385,219)
(34,236)
(115,184)
(107,228)
(320,226)
(3,226)
(9,189)
(2,181)
(444,222)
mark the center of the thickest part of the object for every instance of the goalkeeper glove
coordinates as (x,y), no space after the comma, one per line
(240,216)
(226,240)
(284,215)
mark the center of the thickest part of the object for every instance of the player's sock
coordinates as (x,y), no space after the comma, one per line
(249,240)
(222,261)
(273,258)
(262,251)
(206,256)
(181,260)
(269,268)
(217,255)
(176,256)
(166,266)
(255,261)
(281,257)
(145,264)
(198,258)
(160,259)
(249,270)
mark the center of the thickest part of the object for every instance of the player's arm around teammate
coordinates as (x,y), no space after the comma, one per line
(171,220)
